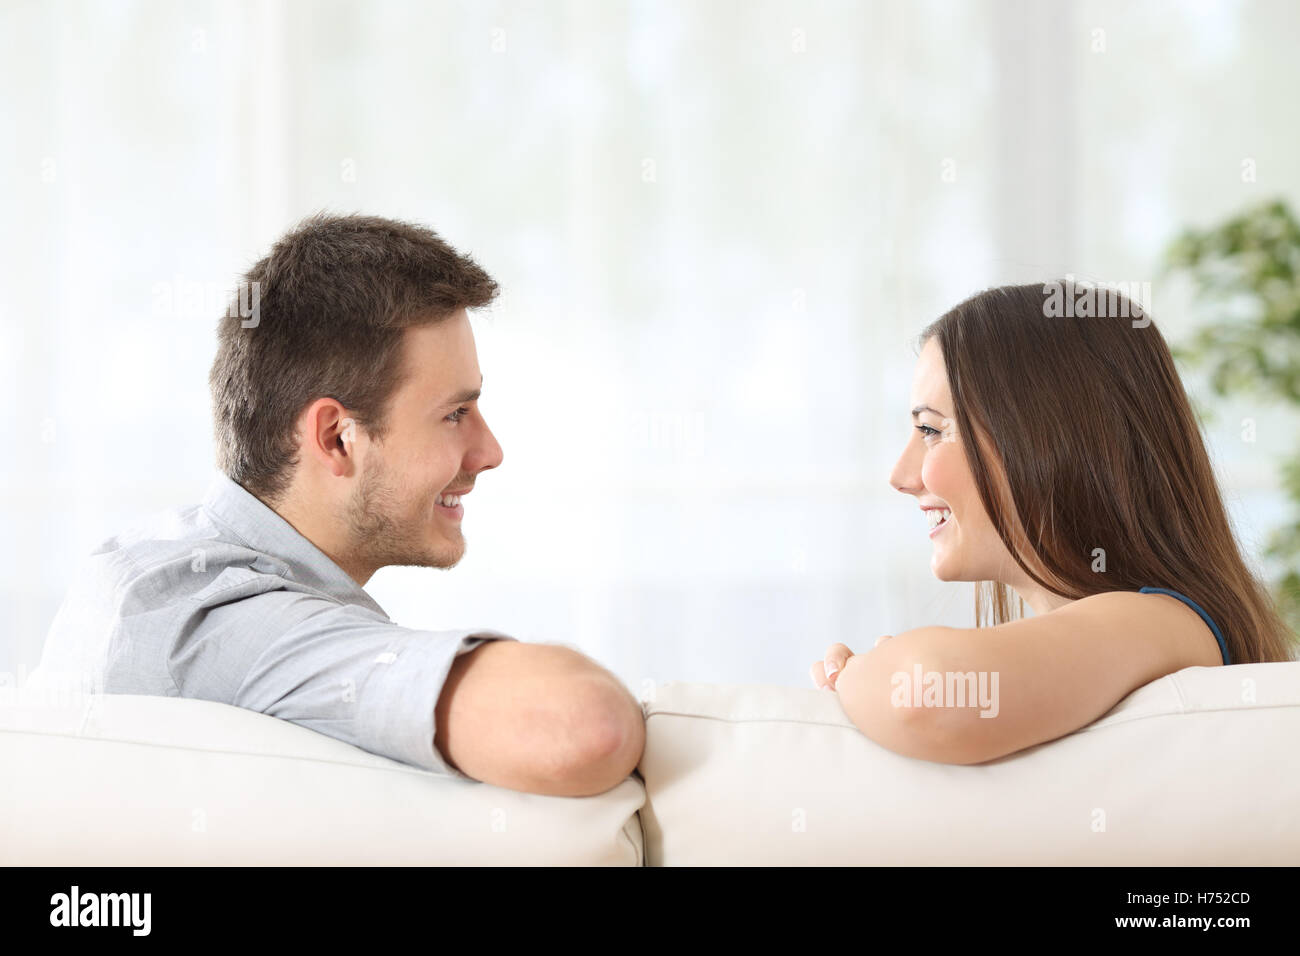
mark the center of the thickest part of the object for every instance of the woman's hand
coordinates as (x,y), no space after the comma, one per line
(827,671)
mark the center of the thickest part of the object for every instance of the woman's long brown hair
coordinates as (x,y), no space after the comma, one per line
(1097,447)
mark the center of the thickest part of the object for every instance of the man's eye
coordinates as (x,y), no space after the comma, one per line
(457,415)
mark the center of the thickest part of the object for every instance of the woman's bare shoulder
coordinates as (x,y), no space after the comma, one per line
(1157,616)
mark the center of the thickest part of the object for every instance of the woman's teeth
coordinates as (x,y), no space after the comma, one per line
(449,501)
(937,516)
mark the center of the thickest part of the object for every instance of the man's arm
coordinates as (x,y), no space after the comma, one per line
(539,718)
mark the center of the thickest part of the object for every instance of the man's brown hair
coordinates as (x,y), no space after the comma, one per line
(333,300)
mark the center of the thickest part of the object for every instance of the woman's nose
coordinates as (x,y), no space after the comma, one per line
(906,474)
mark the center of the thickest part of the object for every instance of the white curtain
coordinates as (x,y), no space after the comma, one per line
(718,227)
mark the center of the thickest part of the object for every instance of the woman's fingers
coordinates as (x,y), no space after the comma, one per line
(837,655)
(827,671)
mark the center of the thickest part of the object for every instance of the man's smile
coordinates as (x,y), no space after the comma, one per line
(449,504)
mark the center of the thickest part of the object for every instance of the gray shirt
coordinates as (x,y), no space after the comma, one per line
(225,601)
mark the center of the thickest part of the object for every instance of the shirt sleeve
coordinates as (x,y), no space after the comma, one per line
(339,669)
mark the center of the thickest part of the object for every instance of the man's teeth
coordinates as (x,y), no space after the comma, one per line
(449,501)
(937,516)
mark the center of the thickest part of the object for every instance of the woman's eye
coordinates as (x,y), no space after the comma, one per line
(457,415)
(926,431)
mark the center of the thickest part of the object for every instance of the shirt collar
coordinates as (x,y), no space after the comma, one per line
(262,529)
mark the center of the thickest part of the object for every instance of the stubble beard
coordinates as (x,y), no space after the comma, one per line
(384,532)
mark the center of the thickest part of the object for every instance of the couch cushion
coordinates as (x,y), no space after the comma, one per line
(1198,767)
(132,780)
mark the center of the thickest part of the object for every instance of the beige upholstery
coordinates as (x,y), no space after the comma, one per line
(127,780)
(1199,767)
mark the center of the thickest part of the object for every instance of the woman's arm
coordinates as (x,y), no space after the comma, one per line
(1040,677)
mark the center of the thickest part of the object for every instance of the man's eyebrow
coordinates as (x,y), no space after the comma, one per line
(469,395)
(926,408)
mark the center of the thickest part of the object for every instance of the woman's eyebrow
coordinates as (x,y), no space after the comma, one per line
(926,408)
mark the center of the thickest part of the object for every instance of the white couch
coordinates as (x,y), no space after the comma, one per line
(1199,767)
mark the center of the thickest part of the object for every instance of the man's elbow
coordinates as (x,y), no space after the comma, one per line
(610,743)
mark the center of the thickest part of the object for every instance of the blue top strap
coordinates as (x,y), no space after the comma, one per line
(1197,608)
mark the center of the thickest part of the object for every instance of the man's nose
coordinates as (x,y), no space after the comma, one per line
(488,453)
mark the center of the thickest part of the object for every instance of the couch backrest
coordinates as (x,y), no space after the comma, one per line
(129,780)
(1199,767)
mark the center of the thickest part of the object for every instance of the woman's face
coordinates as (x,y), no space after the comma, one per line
(933,469)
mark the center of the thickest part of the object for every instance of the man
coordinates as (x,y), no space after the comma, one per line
(348,437)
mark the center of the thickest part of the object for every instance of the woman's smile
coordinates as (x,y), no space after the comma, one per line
(938,518)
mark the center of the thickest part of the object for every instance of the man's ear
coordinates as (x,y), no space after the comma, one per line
(331,435)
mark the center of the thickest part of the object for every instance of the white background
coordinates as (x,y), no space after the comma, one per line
(718,227)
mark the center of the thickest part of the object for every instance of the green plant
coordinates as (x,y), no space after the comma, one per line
(1246,273)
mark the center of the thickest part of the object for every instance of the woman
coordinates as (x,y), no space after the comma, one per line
(1055,456)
